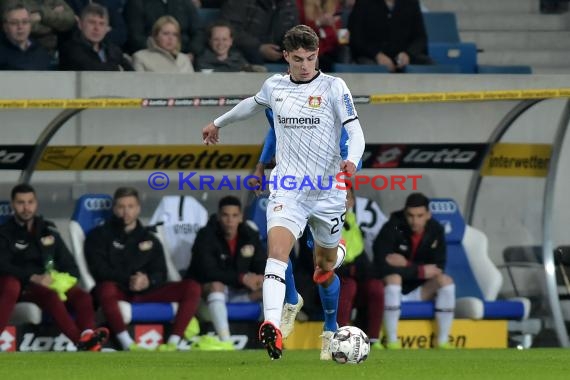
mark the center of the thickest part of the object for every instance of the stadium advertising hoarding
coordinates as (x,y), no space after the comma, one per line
(520,160)
(502,159)
(428,156)
(417,334)
(30,338)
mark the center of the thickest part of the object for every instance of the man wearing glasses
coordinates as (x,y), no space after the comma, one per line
(17,50)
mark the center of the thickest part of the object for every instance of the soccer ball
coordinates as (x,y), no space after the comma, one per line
(349,344)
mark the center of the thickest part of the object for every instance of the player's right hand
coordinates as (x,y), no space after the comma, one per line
(210,134)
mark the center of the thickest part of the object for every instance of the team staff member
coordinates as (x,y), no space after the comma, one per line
(127,262)
(31,252)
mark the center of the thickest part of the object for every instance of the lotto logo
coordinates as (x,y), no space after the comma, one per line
(149,336)
(389,156)
(97,204)
(8,339)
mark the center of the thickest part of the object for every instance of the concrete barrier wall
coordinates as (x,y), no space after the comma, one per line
(509,209)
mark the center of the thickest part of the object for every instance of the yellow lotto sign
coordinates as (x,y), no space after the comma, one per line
(149,157)
(517,160)
(465,333)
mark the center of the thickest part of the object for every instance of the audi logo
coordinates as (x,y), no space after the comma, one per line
(5,209)
(96,204)
(443,207)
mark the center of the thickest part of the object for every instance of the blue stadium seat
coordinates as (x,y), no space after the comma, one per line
(441,27)
(5,211)
(477,280)
(356,68)
(512,69)
(462,54)
(208,16)
(433,69)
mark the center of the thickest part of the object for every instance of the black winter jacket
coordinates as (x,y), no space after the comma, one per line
(114,255)
(24,253)
(395,237)
(212,261)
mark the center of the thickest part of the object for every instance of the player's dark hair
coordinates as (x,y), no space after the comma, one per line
(417,200)
(123,192)
(220,24)
(22,188)
(301,36)
(229,200)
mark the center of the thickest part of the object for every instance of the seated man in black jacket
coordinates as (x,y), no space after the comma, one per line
(32,255)
(88,50)
(410,255)
(227,258)
(127,263)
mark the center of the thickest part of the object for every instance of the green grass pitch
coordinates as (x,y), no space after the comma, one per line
(539,364)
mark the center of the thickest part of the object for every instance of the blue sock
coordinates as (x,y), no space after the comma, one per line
(291,295)
(329,299)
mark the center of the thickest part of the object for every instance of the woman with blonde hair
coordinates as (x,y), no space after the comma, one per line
(163,52)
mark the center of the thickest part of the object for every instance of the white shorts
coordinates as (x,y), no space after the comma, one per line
(324,217)
(414,295)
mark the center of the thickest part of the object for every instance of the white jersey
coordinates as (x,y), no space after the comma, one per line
(308,117)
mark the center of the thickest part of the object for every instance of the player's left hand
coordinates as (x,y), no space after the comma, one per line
(348,167)
(210,134)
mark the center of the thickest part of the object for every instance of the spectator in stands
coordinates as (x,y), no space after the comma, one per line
(410,255)
(118,28)
(88,50)
(49,19)
(33,262)
(324,18)
(259,26)
(358,288)
(389,33)
(219,55)
(128,263)
(141,15)
(163,52)
(17,50)
(227,259)
(207,3)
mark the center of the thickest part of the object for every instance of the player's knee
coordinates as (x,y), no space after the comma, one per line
(444,280)
(393,279)
(214,287)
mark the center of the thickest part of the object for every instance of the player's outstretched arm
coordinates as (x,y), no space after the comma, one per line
(243,110)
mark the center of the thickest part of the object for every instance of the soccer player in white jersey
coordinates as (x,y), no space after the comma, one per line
(310,109)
